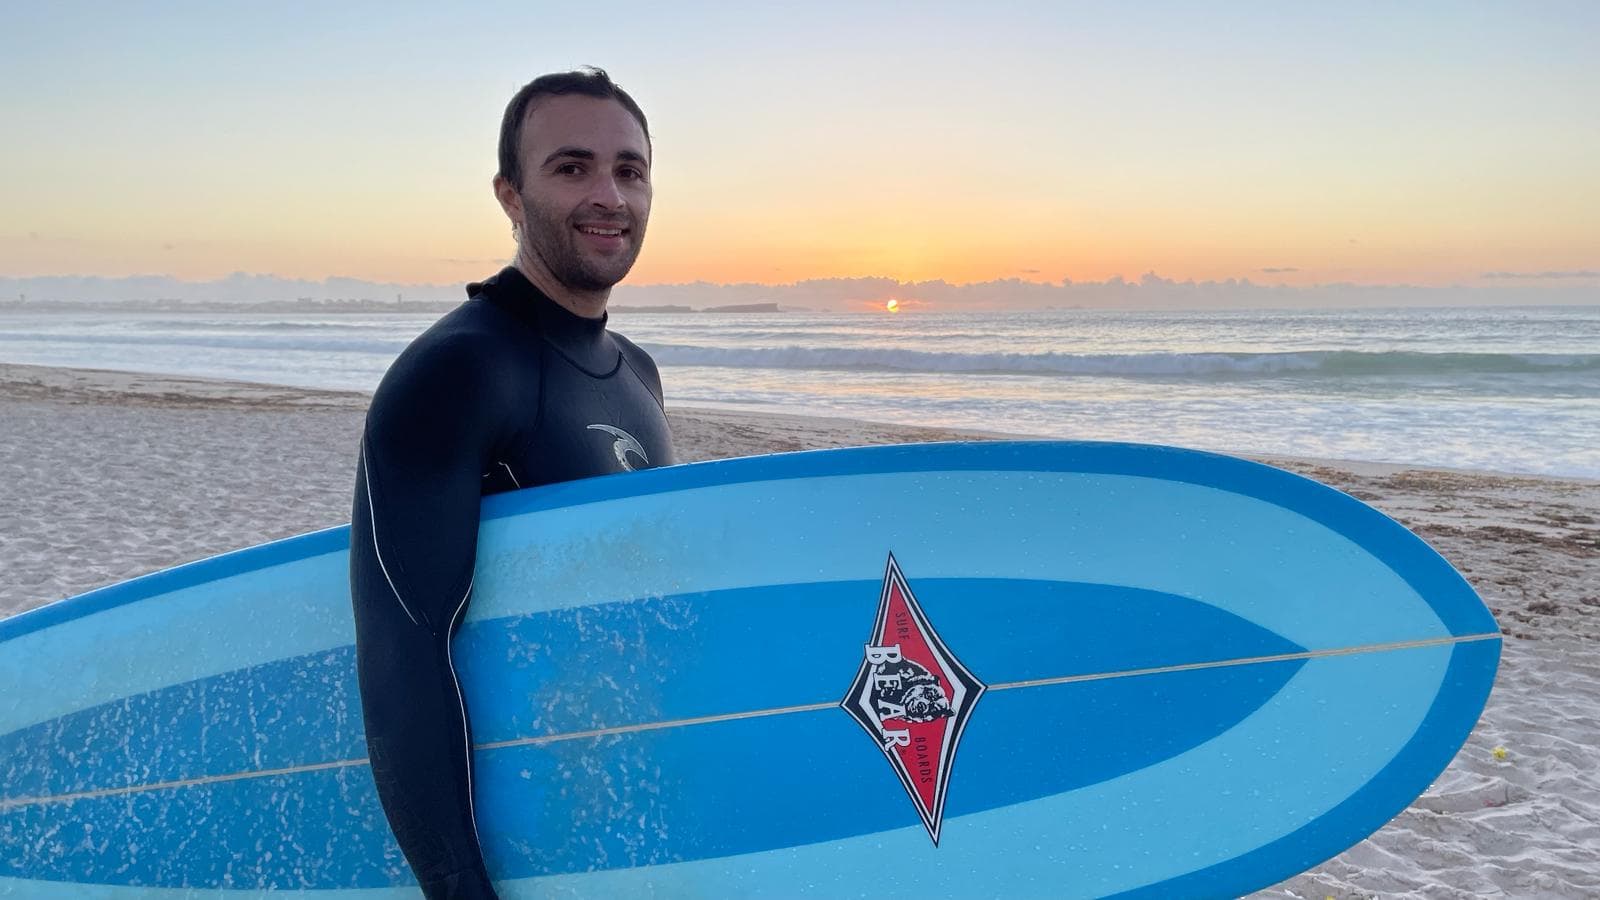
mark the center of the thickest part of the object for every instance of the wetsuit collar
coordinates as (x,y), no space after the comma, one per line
(581,340)
(511,289)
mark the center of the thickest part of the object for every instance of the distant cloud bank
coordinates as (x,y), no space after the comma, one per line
(1150,291)
(240,287)
(1573,273)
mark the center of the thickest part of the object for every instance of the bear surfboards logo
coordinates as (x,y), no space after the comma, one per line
(912,697)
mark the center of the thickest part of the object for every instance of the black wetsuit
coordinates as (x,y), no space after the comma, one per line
(508,390)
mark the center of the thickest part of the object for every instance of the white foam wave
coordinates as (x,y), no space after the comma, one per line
(1126,365)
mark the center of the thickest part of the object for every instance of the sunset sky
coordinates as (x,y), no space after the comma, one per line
(1370,143)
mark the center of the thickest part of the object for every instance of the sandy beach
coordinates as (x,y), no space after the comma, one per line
(105,476)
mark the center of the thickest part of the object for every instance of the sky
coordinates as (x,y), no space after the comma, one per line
(1376,144)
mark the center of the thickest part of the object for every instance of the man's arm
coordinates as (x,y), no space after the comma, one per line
(413,541)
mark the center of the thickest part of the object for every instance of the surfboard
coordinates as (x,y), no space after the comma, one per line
(974,669)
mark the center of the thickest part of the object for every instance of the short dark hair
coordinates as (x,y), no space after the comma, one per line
(589,81)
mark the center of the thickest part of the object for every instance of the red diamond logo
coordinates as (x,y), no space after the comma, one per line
(913,698)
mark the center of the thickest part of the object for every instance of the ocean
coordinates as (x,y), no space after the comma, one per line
(1509,389)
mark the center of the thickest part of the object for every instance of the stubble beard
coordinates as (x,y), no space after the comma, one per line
(552,239)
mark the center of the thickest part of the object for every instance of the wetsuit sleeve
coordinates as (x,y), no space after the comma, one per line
(413,540)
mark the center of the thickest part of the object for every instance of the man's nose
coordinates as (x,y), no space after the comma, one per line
(607,194)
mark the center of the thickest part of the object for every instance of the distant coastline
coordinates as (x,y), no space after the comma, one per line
(732,308)
(242,292)
(333,306)
(217,306)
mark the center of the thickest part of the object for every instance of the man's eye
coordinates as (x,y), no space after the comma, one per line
(568,169)
(632,174)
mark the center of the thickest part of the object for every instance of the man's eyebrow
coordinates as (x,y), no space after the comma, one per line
(585,153)
(577,152)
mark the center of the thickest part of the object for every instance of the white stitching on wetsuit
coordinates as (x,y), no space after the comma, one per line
(512,474)
(449,658)
(466,733)
(661,402)
(366,474)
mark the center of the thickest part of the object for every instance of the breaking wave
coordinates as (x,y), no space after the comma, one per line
(1324,363)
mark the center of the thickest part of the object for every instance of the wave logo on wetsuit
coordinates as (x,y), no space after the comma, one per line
(625,444)
(913,698)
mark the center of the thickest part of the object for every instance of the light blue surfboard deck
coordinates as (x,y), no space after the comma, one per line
(991,669)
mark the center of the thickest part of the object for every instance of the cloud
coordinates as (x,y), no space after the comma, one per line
(1030,271)
(1277,270)
(240,287)
(1570,273)
(38,237)
(1149,291)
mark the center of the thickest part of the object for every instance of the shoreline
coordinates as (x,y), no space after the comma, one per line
(110,475)
(80,385)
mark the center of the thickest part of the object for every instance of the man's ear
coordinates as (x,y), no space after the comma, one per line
(510,199)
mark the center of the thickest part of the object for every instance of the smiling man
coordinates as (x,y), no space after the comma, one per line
(521,385)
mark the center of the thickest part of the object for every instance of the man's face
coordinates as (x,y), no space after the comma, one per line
(585,189)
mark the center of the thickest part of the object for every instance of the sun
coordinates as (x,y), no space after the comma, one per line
(893,305)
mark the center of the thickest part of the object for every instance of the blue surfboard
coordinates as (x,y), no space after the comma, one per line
(990,669)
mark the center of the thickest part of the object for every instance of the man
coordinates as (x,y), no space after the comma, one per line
(521,385)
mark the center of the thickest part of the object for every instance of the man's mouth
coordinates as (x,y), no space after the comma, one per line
(605,238)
